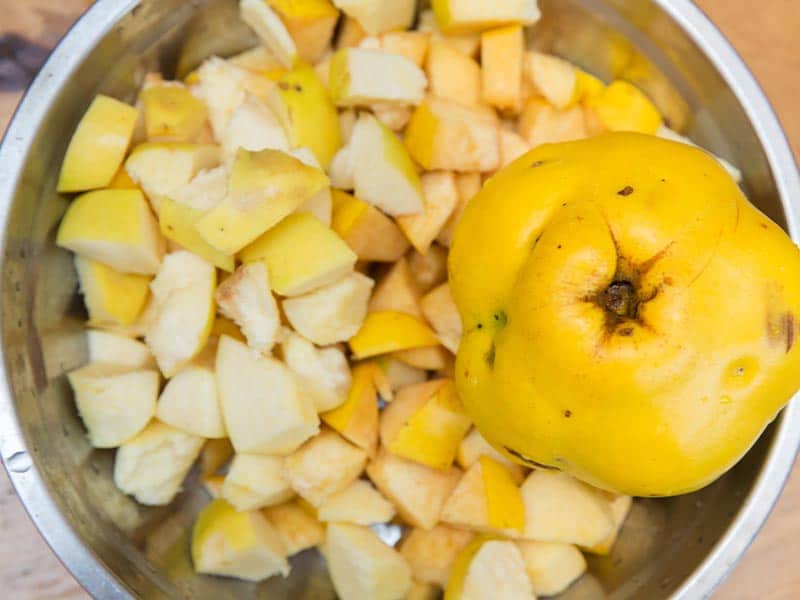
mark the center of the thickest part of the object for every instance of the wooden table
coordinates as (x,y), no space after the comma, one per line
(766,34)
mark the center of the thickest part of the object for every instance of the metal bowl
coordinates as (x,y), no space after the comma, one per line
(681,547)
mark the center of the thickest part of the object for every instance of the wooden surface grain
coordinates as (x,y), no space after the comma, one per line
(765,33)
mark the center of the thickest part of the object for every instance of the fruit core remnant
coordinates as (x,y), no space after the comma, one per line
(620,298)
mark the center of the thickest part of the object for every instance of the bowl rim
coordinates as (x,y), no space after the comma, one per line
(89,569)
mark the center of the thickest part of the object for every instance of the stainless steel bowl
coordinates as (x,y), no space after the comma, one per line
(681,547)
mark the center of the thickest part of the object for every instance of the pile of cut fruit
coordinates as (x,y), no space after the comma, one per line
(262,252)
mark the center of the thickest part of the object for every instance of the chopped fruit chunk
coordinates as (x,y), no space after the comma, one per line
(237,544)
(389,331)
(324,465)
(98,145)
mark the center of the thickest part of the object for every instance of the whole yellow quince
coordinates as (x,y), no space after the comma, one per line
(629,317)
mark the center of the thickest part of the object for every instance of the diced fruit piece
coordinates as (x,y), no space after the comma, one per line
(384,175)
(122,181)
(255,481)
(442,313)
(152,466)
(264,187)
(297,529)
(623,107)
(487,500)
(620,506)
(98,145)
(138,328)
(319,206)
(358,503)
(455,16)
(172,114)
(310,23)
(221,85)
(324,372)
(304,108)
(453,75)
(362,566)
(502,52)
(434,358)
(115,404)
(342,169)
(270,29)
(324,259)
(512,146)
(409,400)
(111,298)
(390,331)
(394,117)
(399,374)
(253,127)
(333,313)
(474,446)
(432,553)
(351,34)
(559,508)
(324,465)
(468,184)
(553,77)
(397,291)
(411,44)
(161,168)
(214,455)
(114,227)
(118,351)
(203,192)
(264,408)
(467,43)
(587,85)
(190,403)
(425,423)
(370,234)
(541,123)
(379,16)
(357,418)
(178,224)
(440,197)
(551,567)
(488,568)
(445,135)
(360,76)
(245,297)
(237,544)
(183,292)
(417,492)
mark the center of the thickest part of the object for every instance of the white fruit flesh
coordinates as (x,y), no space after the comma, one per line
(190,402)
(245,298)
(254,481)
(383,172)
(362,566)
(152,466)
(324,372)
(264,409)
(115,404)
(333,313)
(183,292)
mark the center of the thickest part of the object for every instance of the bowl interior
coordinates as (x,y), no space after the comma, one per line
(662,542)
